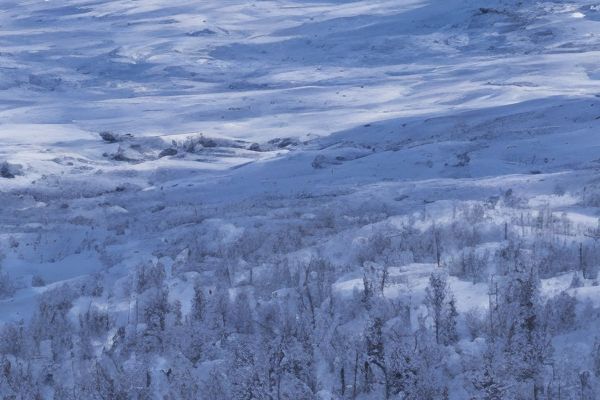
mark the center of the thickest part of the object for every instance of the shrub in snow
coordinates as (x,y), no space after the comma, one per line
(149,276)
(576,281)
(193,144)
(13,243)
(94,321)
(320,161)
(50,323)
(37,281)
(475,320)
(215,385)
(471,265)
(7,286)
(92,286)
(12,339)
(560,313)
(596,357)
(591,195)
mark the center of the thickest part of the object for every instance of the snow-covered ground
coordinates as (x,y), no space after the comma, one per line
(232,142)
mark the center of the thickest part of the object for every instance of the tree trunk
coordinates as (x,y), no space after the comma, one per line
(355,376)
(343,381)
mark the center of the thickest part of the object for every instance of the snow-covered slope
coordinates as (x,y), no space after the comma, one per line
(229,143)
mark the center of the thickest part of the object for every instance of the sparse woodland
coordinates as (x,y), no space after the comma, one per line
(475,299)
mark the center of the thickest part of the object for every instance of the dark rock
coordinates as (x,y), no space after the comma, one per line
(108,137)
(254,147)
(5,171)
(10,171)
(167,152)
(203,32)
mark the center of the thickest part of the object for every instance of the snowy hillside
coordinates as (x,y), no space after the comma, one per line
(311,199)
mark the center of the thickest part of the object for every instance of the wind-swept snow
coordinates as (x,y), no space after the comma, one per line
(284,159)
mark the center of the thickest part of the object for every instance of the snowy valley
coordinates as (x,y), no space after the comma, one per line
(311,199)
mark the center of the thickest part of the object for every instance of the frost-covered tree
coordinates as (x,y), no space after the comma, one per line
(523,334)
(560,313)
(198,303)
(441,304)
